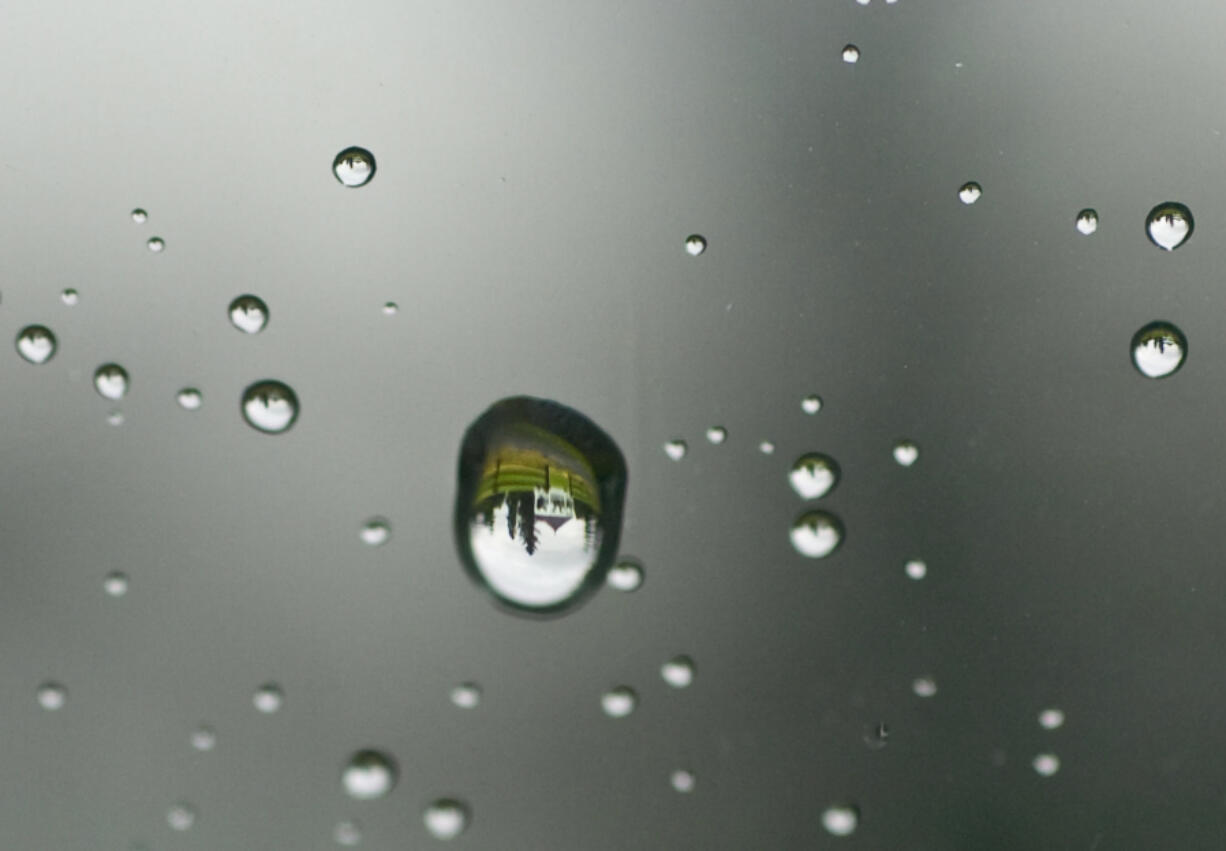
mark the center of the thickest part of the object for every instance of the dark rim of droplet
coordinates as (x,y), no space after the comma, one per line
(1153,329)
(248,300)
(269,385)
(832,466)
(351,152)
(1166,208)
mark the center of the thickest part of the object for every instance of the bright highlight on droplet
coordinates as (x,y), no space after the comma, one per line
(1050,719)
(717,435)
(626,575)
(811,404)
(906,453)
(446,818)
(189,399)
(391,308)
(619,702)
(115,418)
(1169,225)
(916,569)
(111,381)
(369,774)
(678,672)
(248,313)
(675,449)
(70,297)
(841,819)
(156,244)
(139,216)
(924,687)
(766,447)
(1159,349)
(1046,764)
(269,698)
(1087,222)
(52,696)
(851,54)
(682,781)
(813,475)
(36,343)
(115,584)
(354,167)
(970,192)
(816,534)
(204,738)
(269,406)
(695,245)
(376,532)
(466,695)
(181,817)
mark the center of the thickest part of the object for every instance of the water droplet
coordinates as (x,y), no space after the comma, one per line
(695,245)
(347,833)
(811,404)
(249,314)
(115,584)
(717,434)
(181,817)
(1050,719)
(269,698)
(678,672)
(70,297)
(626,575)
(114,418)
(189,399)
(354,167)
(916,569)
(841,819)
(906,452)
(675,449)
(1159,349)
(1046,764)
(683,781)
(52,696)
(156,244)
(391,308)
(862,2)
(817,534)
(970,192)
(36,343)
(851,54)
(766,447)
(924,687)
(619,702)
(446,818)
(538,504)
(1087,221)
(204,738)
(876,735)
(139,216)
(270,406)
(368,775)
(466,695)
(1169,225)
(813,475)
(111,381)
(376,532)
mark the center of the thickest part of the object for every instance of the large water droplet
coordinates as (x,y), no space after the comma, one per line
(466,695)
(115,584)
(369,774)
(347,833)
(181,816)
(676,449)
(813,475)
(1046,764)
(139,216)
(851,54)
(156,244)
(626,575)
(270,406)
(1169,225)
(111,381)
(695,245)
(189,399)
(841,819)
(817,534)
(446,818)
(1159,349)
(354,166)
(906,452)
(1050,719)
(538,504)
(269,698)
(683,781)
(376,532)
(970,192)
(36,343)
(52,696)
(204,738)
(1087,221)
(619,702)
(811,404)
(249,314)
(678,672)
(70,297)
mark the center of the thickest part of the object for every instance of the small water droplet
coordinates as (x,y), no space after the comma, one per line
(139,216)
(347,833)
(851,54)
(676,449)
(1159,349)
(269,406)
(111,381)
(811,404)
(916,569)
(189,399)
(1050,719)
(695,245)
(269,698)
(970,192)
(816,534)
(876,735)
(181,816)
(376,532)
(204,738)
(1169,225)
(862,2)
(1046,764)
(52,696)
(36,343)
(924,687)
(115,584)
(466,695)
(683,781)
(678,672)
(626,575)
(619,702)
(717,434)
(70,297)
(115,418)
(156,244)
(354,167)
(446,818)
(813,475)
(1087,221)
(369,774)
(766,447)
(391,308)
(841,819)
(249,314)
(906,452)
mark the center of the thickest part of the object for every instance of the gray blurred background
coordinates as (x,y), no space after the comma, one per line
(540,165)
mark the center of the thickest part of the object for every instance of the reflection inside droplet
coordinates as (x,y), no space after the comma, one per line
(181,816)
(466,695)
(248,313)
(626,575)
(851,54)
(906,453)
(354,166)
(52,696)
(156,244)
(619,702)
(347,833)
(446,818)
(924,687)
(1046,764)
(678,672)
(36,343)
(682,781)
(369,774)
(817,534)
(376,532)
(270,406)
(115,584)
(189,399)
(813,475)
(916,569)
(70,297)
(111,381)
(695,245)
(717,435)
(1087,221)
(1169,225)
(675,449)
(1159,349)
(811,404)
(204,738)
(1050,719)
(268,698)
(841,819)
(969,192)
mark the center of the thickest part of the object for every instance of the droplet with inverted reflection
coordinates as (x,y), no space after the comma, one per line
(189,399)
(270,406)
(249,314)
(111,381)
(538,507)
(1159,349)
(1046,764)
(817,534)
(970,192)
(369,774)
(52,696)
(1050,719)
(813,475)
(906,453)
(1087,222)
(619,702)
(717,435)
(695,245)
(811,404)
(446,818)
(156,244)
(354,167)
(70,297)
(626,575)
(268,698)
(1169,225)
(36,343)
(204,738)
(851,54)
(115,584)
(139,216)
(676,449)
(841,819)
(466,695)
(678,672)
(376,532)
(181,816)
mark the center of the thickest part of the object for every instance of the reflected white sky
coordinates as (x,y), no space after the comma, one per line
(547,577)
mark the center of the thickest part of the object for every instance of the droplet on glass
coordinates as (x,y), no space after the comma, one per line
(115,584)
(675,449)
(876,735)
(916,569)
(248,313)
(446,818)
(924,687)
(841,819)
(626,575)
(391,308)
(270,406)
(1050,719)
(204,738)
(1169,225)
(115,418)
(682,781)
(766,447)
(70,297)
(678,672)
(817,534)
(269,698)
(347,833)
(111,381)
(970,192)
(1159,349)
(717,435)
(695,245)
(619,702)
(139,216)
(538,505)
(369,774)
(189,399)
(466,695)
(1087,221)
(181,816)
(36,343)
(156,244)
(1046,764)
(811,404)
(851,54)
(376,532)
(813,475)
(52,696)
(906,453)
(354,167)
